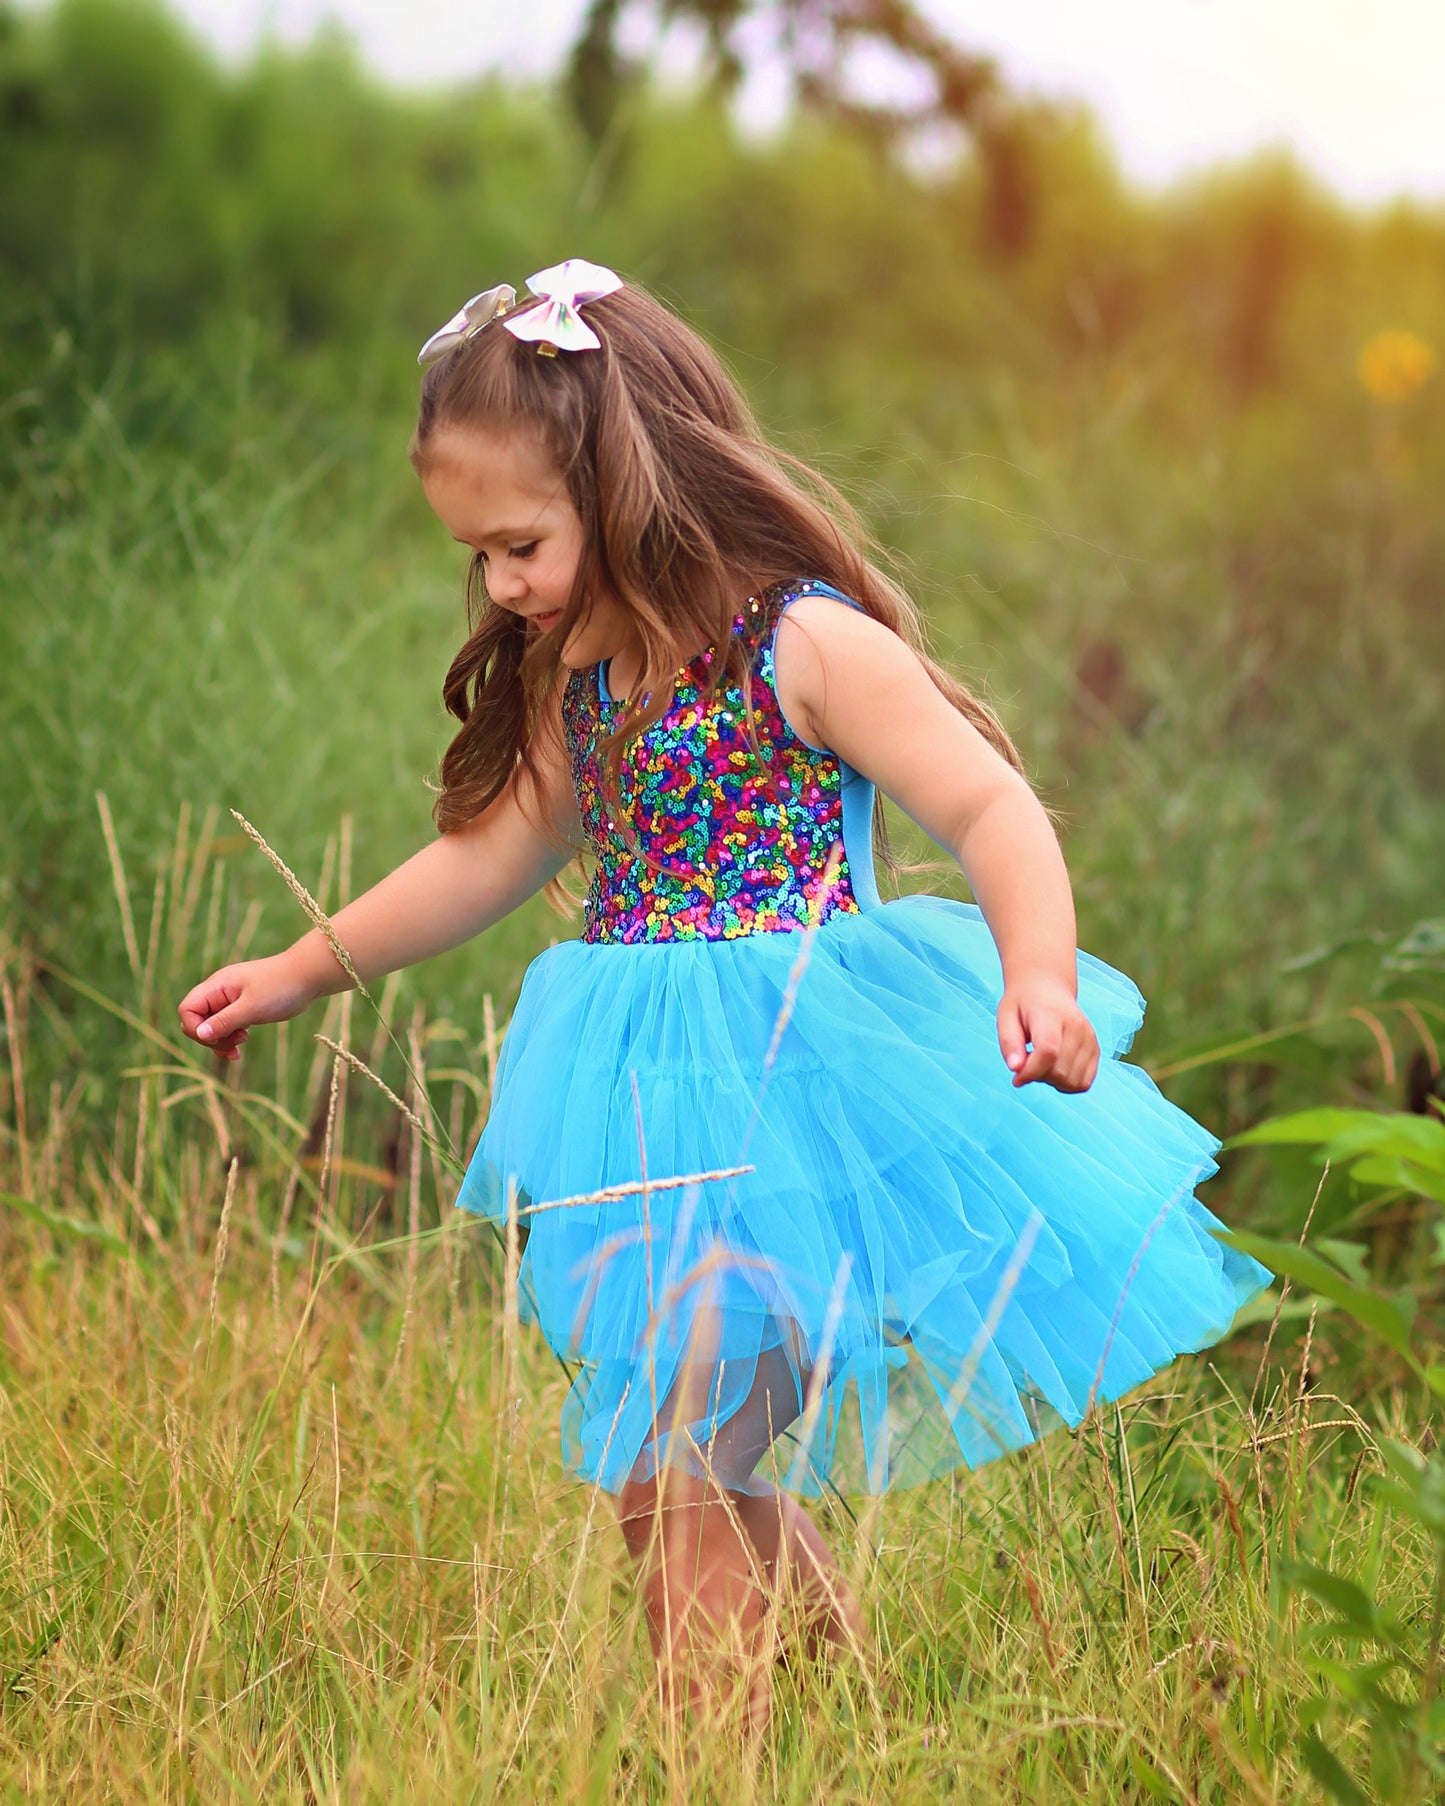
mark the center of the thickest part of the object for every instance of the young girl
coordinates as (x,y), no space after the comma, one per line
(920,1219)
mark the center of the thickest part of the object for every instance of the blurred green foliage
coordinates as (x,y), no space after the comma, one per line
(1130,470)
(147,188)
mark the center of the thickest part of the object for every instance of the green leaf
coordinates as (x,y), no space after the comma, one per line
(1418,1488)
(1349,1257)
(1349,943)
(1395,1148)
(1352,1602)
(1310,1126)
(1264,1307)
(1421,950)
(1400,1175)
(1149,1777)
(1403,1459)
(1330,1772)
(1368,1308)
(65,1225)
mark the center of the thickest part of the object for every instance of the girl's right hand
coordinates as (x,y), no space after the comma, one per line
(220,1010)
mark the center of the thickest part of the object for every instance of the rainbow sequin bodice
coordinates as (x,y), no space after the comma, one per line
(708,831)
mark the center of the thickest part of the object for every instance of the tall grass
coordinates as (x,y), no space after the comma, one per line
(283,1521)
(223,590)
(281,1516)
(280,1511)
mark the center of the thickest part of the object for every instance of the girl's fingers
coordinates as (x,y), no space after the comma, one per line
(1077,1073)
(1045,1032)
(222,1028)
(1012,1038)
(204,1003)
(215,1015)
(1063,1050)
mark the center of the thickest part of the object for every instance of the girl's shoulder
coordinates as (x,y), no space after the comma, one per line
(800,614)
(802,596)
(720,677)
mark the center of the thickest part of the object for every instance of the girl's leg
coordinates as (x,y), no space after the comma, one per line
(713,1557)
(797,1563)
(700,1588)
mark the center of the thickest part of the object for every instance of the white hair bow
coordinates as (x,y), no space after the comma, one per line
(480,311)
(555,324)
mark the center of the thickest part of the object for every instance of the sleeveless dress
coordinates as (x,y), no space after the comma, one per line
(927,1266)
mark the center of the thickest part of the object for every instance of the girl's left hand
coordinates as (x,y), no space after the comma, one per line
(1043,1034)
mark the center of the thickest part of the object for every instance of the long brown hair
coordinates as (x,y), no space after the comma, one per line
(686,511)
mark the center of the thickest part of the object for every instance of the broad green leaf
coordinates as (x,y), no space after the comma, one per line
(1308,1126)
(1344,1682)
(1403,1459)
(1149,1777)
(1349,943)
(1419,1485)
(1349,1257)
(1400,1175)
(1396,1149)
(1409,1502)
(1352,1602)
(1330,1772)
(1421,950)
(65,1225)
(1264,1306)
(1368,1308)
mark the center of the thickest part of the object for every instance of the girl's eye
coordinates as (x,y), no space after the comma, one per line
(525,551)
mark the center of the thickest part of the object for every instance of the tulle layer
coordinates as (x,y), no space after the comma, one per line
(924,1266)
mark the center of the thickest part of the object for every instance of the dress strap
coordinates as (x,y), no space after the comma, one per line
(858,795)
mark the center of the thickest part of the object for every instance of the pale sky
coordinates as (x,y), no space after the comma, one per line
(1357,87)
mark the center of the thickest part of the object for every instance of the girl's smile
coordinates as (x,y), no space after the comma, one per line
(502,495)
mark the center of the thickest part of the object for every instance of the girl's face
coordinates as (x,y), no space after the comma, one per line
(502,496)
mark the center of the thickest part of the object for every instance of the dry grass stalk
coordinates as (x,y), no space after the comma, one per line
(17,1081)
(315,913)
(153,944)
(223,1237)
(357,1064)
(610,1194)
(122,889)
(413,1232)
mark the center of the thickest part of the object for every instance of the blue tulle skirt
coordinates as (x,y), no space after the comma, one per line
(923,1267)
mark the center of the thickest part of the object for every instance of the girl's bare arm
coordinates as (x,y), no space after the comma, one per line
(456,886)
(850,684)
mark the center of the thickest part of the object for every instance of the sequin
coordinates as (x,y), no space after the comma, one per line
(724,832)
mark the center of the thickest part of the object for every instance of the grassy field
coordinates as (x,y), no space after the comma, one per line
(280,1510)
(281,1516)
(281,1513)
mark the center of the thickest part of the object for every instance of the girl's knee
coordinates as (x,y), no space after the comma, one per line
(650,1508)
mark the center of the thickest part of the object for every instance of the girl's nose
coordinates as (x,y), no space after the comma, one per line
(505,584)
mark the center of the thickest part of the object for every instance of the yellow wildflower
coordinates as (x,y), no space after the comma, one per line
(1395,365)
